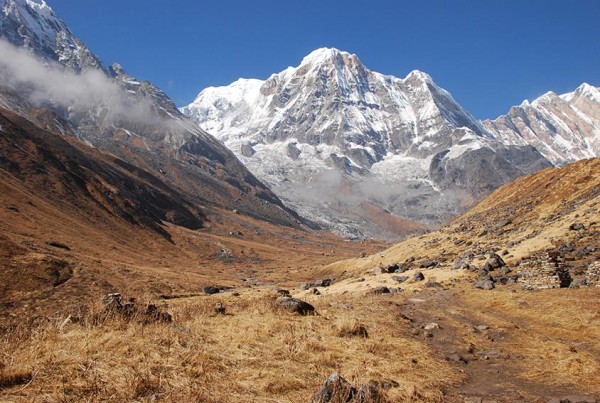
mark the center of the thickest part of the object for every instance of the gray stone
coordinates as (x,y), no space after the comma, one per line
(335,389)
(576,226)
(211,289)
(400,279)
(431,326)
(418,276)
(380,291)
(294,305)
(485,284)
(427,264)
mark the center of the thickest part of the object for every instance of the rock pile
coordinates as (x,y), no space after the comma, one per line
(130,310)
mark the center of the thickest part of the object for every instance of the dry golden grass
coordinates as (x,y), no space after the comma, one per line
(252,353)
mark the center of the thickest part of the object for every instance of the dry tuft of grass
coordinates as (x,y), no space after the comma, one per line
(351,328)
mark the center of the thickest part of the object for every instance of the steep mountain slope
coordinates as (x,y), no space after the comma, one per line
(330,134)
(108,109)
(32,24)
(564,128)
(77,222)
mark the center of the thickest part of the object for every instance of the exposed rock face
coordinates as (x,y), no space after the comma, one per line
(110,110)
(563,128)
(330,134)
(32,24)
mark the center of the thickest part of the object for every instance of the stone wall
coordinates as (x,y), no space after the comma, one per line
(592,275)
(543,271)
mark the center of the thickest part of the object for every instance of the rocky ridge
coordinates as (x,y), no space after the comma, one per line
(330,134)
(66,89)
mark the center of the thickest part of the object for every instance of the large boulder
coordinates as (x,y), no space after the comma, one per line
(294,305)
(335,389)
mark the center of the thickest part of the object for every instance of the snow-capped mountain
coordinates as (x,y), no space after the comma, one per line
(50,77)
(33,25)
(332,137)
(564,128)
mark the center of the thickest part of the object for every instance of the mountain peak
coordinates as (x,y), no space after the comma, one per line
(420,76)
(589,91)
(32,24)
(322,55)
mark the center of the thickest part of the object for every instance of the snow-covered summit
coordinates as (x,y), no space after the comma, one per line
(322,55)
(331,122)
(32,24)
(563,128)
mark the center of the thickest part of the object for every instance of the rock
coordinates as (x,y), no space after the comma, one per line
(210,290)
(400,279)
(486,284)
(283,293)
(576,226)
(220,308)
(247,150)
(392,268)
(460,263)
(395,290)
(58,245)
(315,291)
(434,284)
(573,399)
(578,282)
(403,267)
(360,279)
(318,283)
(335,389)
(294,305)
(154,315)
(378,271)
(427,264)
(380,291)
(457,358)
(418,276)
(494,262)
(482,328)
(369,392)
(431,326)
(322,283)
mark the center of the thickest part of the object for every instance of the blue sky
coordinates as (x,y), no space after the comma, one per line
(489,54)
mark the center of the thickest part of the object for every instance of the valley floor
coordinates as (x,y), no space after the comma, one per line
(451,344)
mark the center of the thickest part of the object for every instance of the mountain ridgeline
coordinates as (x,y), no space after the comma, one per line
(337,141)
(53,80)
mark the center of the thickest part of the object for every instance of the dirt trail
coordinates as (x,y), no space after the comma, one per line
(480,350)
